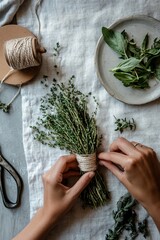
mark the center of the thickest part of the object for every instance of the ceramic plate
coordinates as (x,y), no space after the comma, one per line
(106,59)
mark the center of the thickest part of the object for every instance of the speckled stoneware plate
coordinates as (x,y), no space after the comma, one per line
(106,59)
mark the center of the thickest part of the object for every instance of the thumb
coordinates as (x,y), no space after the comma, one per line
(80,185)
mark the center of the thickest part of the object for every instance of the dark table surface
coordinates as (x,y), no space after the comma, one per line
(13,220)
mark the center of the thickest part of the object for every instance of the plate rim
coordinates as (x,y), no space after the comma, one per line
(99,44)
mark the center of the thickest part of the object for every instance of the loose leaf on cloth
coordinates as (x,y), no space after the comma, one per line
(124,123)
(66,123)
(125,218)
(139,64)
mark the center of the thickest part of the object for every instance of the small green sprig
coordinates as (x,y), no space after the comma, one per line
(143,228)
(125,218)
(56,49)
(4,107)
(123,123)
(66,123)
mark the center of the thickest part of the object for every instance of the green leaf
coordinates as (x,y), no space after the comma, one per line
(141,85)
(115,40)
(156,43)
(153,51)
(133,50)
(145,42)
(127,65)
(126,78)
(152,54)
(157,71)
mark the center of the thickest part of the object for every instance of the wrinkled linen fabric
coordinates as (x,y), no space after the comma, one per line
(8,9)
(76,25)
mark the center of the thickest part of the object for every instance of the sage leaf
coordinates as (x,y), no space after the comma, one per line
(126,78)
(156,43)
(153,51)
(127,65)
(157,71)
(145,43)
(133,50)
(115,40)
(125,219)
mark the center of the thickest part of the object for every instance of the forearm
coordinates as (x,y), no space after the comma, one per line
(154,212)
(37,229)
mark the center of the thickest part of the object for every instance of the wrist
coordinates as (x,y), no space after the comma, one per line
(154,212)
(38,228)
(48,219)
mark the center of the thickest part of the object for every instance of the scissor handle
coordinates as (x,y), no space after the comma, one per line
(18,180)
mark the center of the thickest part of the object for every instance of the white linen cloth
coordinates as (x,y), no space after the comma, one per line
(8,9)
(76,25)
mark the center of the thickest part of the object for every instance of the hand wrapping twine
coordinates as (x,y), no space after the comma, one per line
(87,162)
(21,53)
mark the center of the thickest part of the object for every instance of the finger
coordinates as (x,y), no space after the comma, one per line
(80,185)
(71,166)
(61,163)
(117,173)
(71,174)
(115,157)
(112,168)
(123,145)
(56,171)
(140,146)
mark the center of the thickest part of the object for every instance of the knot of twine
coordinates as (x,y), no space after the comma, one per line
(23,52)
(87,162)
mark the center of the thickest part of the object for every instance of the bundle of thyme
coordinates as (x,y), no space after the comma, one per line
(66,123)
(125,219)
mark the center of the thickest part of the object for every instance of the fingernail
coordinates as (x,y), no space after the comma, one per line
(91,174)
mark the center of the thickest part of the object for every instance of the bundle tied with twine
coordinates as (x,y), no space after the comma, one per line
(66,123)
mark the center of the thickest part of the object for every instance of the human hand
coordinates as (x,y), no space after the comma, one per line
(58,198)
(139,172)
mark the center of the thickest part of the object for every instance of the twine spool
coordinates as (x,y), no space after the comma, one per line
(21,53)
(87,162)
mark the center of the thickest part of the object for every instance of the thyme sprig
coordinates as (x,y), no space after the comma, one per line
(143,228)
(56,49)
(125,218)
(4,107)
(123,123)
(66,123)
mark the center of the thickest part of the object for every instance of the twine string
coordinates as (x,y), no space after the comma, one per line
(15,96)
(5,77)
(87,162)
(20,54)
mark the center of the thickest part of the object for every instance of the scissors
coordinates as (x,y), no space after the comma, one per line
(5,165)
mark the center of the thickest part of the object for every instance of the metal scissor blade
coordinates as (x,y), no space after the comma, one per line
(5,165)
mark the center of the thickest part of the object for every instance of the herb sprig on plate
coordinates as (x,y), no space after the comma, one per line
(139,63)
